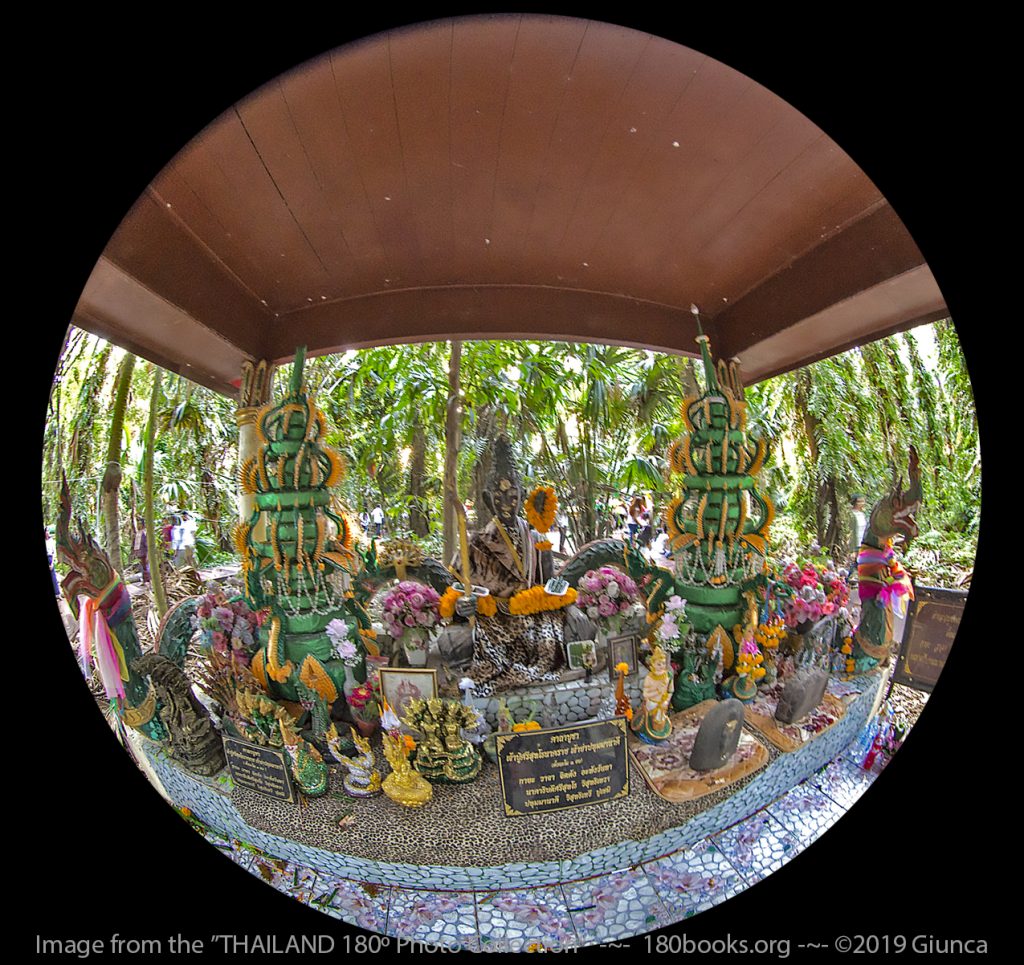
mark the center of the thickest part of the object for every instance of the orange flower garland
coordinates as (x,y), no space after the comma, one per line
(541,508)
(544,544)
(536,600)
(485,605)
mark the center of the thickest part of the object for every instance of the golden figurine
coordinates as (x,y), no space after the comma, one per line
(403,785)
(444,754)
(653,725)
(363,778)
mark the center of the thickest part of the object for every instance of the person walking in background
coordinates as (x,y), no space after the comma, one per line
(51,551)
(378,520)
(141,550)
(189,525)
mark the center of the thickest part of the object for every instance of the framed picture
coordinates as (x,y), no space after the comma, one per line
(584,655)
(622,650)
(402,684)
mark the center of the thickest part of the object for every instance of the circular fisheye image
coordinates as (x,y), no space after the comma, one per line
(511,483)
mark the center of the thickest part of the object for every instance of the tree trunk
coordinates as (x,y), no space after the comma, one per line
(112,472)
(419,523)
(452,438)
(155,545)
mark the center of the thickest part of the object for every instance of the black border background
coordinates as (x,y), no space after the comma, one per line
(107,101)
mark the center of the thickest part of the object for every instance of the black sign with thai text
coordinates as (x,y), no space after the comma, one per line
(932,622)
(261,769)
(564,767)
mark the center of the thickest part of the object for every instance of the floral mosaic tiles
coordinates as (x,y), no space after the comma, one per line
(512,921)
(758,846)
(435,918)
(615,907)
(805,812)
(843,781)
(356,903)
(694,880)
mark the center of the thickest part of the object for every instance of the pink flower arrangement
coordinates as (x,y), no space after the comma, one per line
(411,608)
(607,595)
(229,627)
(818,592)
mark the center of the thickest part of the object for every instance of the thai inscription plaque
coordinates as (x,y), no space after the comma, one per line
(564,767)
(261,769)
(932,622)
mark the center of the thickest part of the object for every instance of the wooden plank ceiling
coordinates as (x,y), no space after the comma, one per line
(507,176)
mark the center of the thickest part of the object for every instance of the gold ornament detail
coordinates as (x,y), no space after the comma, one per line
(142,714)
(720,636)
(314,676)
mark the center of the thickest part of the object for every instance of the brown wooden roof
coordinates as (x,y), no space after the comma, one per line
(507,176)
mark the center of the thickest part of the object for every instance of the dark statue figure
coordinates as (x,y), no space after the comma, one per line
(801,696)
(192,739)
(718,737)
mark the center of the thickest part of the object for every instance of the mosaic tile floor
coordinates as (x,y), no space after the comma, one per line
(606,908)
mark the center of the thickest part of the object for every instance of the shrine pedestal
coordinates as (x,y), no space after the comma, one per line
(464,842)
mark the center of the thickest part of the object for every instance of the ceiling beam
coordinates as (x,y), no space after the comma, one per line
(868,253)
(482,312)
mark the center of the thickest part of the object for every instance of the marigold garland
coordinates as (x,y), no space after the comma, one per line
(485,605)
(537,600)
(541,508)
(542,545)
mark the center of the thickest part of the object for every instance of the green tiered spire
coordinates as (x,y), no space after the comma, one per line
(290,554)
(718,527)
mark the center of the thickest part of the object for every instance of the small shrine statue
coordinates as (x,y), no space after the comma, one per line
(403,785)
(884,586)
(651,723)
(363,779)
(519,629)
(444,754)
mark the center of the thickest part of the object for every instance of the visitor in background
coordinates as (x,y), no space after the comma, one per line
(167,532)
(860,523)
(562,522)
(176,552)
(377,517)
(189,525)
(51,551)
(364,520)
(141,550)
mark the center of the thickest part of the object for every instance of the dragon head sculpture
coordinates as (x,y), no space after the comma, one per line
(91,570)
(893,515)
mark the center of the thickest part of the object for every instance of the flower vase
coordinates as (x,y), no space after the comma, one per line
(416,650)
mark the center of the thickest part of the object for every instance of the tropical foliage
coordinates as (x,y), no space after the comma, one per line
(594,421)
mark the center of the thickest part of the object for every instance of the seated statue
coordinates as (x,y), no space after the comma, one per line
(520,630)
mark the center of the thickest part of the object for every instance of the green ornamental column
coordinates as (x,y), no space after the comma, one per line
(292,563)
(718,527)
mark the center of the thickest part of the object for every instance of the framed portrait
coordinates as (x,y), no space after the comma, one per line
(399,685)
(584,655)
(622,650)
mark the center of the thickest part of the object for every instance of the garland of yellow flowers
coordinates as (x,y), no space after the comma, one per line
(537,600)
(485,605)
(544,518)
(523,603)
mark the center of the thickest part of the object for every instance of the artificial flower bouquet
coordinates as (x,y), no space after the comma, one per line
(363,703)
(818,590)
(410,613)
(672,629)
(228,627)
(609,597)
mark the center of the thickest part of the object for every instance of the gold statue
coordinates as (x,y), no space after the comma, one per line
(444,754)
(403,785)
